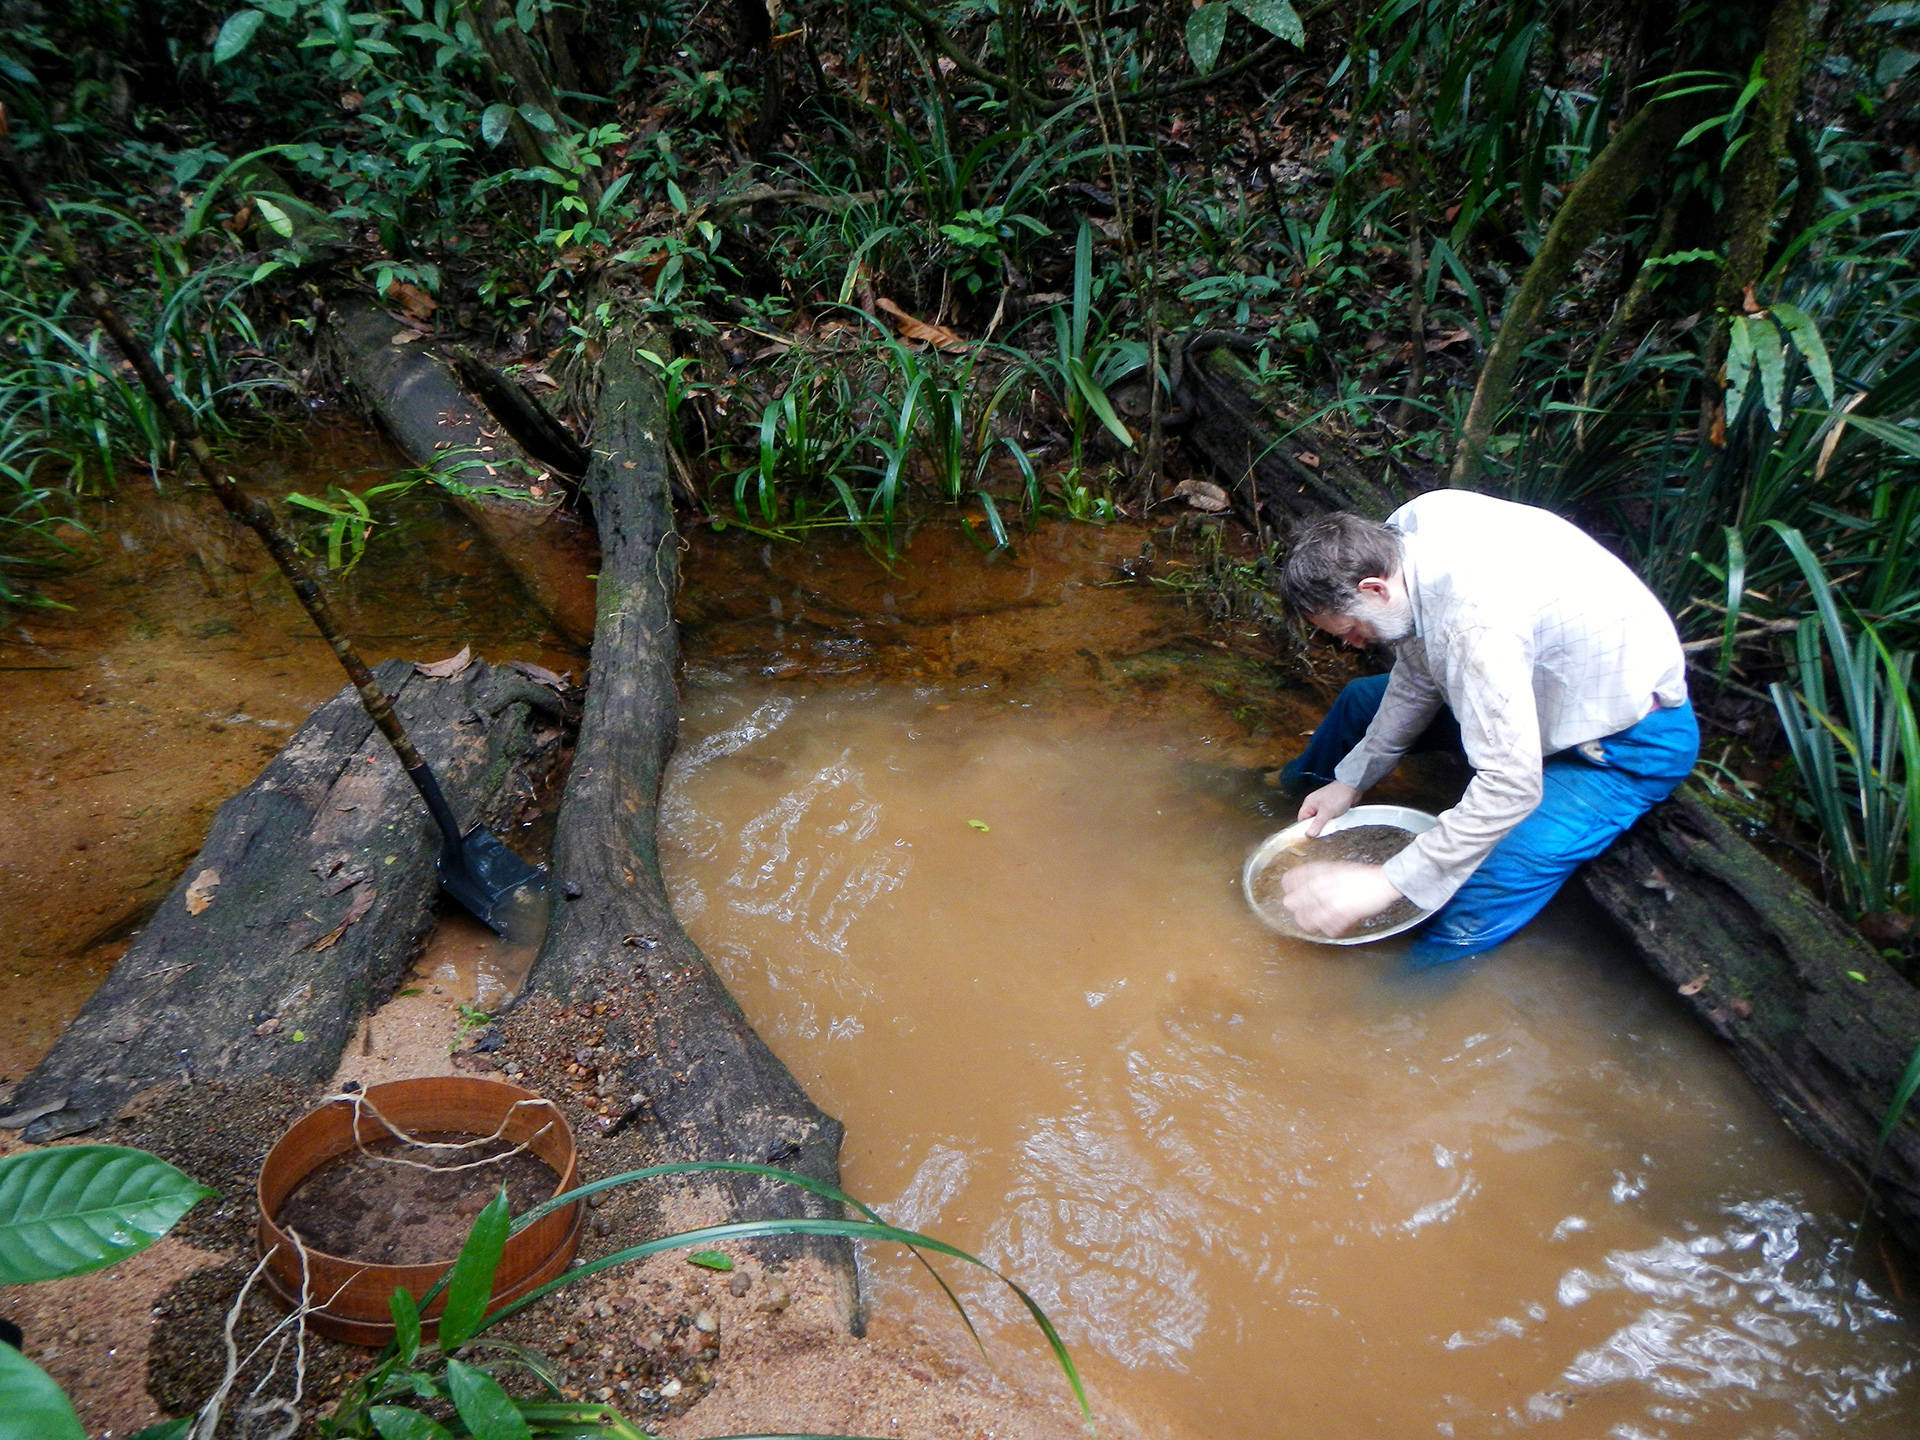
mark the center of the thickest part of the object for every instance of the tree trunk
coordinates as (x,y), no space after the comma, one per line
(437,423)
(314,892)
(705,1086)
(1753,191)
(1820,1023)
(1634,154)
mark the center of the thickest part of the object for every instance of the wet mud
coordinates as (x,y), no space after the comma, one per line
(171,665)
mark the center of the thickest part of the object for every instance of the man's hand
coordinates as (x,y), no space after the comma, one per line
(1330,898)
(1329,802)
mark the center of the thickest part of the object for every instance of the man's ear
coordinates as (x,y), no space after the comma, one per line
(1374,588)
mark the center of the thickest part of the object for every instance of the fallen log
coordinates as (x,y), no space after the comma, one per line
(1275,466)
(1812,1013)
(695,1076)
(437,423)
(313,893)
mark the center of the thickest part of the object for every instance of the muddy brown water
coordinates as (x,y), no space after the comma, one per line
(965,841)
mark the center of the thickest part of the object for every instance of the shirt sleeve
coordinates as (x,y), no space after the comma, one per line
(1489,676)
(1407,707)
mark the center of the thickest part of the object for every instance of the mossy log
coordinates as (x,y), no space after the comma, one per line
(436,422)
(1273,463)
(1820,1023)
(696,1078)
(314,892)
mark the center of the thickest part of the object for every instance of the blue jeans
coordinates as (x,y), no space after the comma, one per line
(1584,805)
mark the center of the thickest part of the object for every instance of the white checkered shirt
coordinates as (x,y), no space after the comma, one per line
(1537,638)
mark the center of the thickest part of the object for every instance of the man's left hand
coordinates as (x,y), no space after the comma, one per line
(1331,897)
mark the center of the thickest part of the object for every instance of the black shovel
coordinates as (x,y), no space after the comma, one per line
(474,867)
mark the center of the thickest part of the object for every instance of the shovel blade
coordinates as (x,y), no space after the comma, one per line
(483,875)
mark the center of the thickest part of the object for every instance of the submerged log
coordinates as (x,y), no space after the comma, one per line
(696,1078)
(437,423)
(1819,1022)
(314,892)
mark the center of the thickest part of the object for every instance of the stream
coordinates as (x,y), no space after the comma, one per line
(989,915)
(964,840)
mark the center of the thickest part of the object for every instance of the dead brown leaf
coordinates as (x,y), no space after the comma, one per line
(414,302)
(1202,495)
(540,675)
(446,669)
(362,902)
(200,892)
(937,336)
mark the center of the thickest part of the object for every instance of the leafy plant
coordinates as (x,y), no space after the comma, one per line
(70,1210)
(1087,358)
(413,1374)
(349,517)
(1860,758)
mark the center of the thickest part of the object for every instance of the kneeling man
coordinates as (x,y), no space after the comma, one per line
(1561,669)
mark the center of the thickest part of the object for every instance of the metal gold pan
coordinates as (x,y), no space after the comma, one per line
(1399,816)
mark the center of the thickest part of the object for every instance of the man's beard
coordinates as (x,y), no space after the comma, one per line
(1390,620)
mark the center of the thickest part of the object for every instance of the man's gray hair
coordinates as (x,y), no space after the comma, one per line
(1330,555)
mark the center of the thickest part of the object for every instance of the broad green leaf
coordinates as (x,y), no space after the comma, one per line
(1276,17)
(236,33)
(494,121)
(470,1281)
(1896,63)
(484,1407)
(1097,401)
(711,1260)
(396,1422)
(1806,339)
(333,14)
(1206,28)
(277,219)
(1739,365)
(165,1430)
(32,1406)
(1771,358)
(538,119)
(406,1326)
(72,1209)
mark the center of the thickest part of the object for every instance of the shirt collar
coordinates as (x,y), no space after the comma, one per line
(1410,574)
